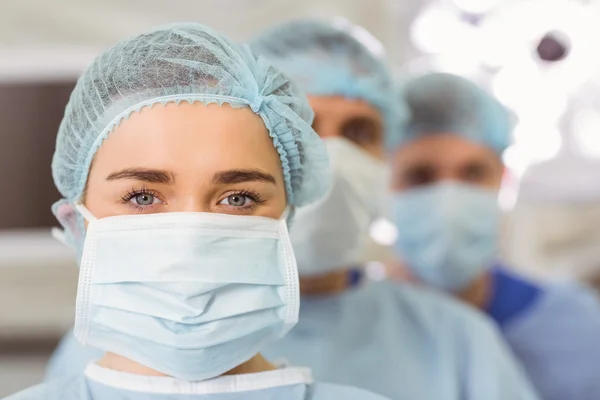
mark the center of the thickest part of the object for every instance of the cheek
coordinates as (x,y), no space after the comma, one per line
(377,151)
(276,206)
(100,196)
(397,175)
(101,207)
(399,181)
(326,128)
(496,181)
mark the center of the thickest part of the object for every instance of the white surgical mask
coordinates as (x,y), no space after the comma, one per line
(191,295)
(332,233)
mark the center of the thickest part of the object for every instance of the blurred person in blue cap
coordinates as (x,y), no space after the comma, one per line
(447,171)
(181,157)
(393,339)
(389,338)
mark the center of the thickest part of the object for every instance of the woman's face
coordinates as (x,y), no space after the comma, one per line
(187,158)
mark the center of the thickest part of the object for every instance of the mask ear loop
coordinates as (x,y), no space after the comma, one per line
(291,269)
(288,215)
(59,235)
(82,311)
(83,210)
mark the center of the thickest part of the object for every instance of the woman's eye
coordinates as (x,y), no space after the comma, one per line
(144,199)
(237,200)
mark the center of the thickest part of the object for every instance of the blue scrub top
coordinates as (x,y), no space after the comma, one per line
(391,338)
(553,330)
(404,342)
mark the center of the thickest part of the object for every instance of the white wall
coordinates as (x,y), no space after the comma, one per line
(59,37)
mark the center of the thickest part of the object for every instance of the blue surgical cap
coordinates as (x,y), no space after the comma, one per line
(183,62)
(333,58)
(187,62)
(445,103)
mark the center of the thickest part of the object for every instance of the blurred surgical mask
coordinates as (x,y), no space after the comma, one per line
(332,233)
(447,233)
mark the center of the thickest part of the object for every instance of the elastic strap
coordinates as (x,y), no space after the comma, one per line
(83,210)
(60,235)
(286,213)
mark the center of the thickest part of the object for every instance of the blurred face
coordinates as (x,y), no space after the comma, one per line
(438,158)
(187,158)
(355,120)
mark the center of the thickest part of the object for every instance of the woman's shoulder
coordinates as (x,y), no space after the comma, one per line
(56,389)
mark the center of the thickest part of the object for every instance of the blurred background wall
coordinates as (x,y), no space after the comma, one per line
(552,186)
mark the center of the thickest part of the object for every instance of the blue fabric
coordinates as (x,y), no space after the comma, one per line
(511,295)
(394,339)
(70,358)
(355,276)
(556,339)
(80,387)
(445,103)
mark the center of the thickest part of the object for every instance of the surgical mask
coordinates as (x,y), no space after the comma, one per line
(332,233)
(447,233)
(191,295)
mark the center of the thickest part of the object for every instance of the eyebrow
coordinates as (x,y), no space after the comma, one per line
(242,175)
(143,174)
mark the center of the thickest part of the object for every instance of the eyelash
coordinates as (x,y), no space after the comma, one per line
(252,195)
(136,192)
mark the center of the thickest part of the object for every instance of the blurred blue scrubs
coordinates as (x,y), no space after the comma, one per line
(391,338)
(403,342)
(553,330)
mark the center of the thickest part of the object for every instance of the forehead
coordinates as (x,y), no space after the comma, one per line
(340,106)
(189,137)
(442,149)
